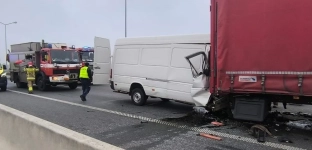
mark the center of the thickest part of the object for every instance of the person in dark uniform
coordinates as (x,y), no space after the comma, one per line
(85,77)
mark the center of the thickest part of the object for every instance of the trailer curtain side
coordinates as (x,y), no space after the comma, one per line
(262,46)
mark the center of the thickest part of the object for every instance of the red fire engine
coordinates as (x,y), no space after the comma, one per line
(58,64)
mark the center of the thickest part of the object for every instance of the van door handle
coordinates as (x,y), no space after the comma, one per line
(97,67)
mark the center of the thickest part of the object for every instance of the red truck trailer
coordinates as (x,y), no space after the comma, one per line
(260,53)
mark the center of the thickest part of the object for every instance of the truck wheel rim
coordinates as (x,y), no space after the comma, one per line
(137,97)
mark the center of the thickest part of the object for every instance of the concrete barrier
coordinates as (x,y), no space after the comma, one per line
(19,130)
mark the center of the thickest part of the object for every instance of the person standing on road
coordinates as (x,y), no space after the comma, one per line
(31,74)
(85,77)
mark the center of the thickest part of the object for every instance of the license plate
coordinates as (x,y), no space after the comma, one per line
(72,76)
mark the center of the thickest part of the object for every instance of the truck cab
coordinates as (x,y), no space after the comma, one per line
(86,55)
(3,77)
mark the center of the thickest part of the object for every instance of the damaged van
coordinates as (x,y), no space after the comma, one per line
(155,67)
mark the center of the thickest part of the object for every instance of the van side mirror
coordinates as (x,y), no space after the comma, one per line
(4,67)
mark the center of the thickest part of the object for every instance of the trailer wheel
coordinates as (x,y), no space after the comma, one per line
(138,97)
(41,84)
(73,85)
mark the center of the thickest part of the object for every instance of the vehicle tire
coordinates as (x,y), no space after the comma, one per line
(4,88)
(41,84)
(18,83)
(138,97)
(165,99)
(73,85)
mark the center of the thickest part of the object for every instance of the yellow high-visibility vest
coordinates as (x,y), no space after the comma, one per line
(84,73)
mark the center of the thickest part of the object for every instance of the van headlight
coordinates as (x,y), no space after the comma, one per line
(3,74)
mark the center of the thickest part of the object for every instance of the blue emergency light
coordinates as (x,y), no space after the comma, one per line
(86,48)
(49,45)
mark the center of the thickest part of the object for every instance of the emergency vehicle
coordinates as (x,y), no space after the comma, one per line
(56,64)
(3,78)
(86,55)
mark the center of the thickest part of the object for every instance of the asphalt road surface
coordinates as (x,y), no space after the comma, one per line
(112,118)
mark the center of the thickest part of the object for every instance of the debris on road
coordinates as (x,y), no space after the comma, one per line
(262,128)
(144,121)
(301,124)
(284,139)
(209,136)
(200,110)
(208,126)
(260,132)
(217,123)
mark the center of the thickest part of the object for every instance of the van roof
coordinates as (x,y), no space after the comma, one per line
(175,39)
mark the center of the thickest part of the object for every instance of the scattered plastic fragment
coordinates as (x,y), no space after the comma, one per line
(200,110)
(217,123)
(284,139)
(210,136)
(301,124)
(261,136)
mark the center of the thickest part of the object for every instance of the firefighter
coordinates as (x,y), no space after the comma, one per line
(31,74)
(85,77)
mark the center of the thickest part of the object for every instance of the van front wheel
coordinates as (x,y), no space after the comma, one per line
(138,97)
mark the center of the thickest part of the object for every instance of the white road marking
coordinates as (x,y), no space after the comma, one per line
(196,129)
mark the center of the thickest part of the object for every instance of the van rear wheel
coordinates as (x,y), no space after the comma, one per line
(4,88)
(138,97)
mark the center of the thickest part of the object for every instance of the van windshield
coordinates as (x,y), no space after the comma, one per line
(64,56)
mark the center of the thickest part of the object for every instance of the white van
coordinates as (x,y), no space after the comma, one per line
(156,66)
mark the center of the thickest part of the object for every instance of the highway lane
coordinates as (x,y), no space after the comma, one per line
(124,131)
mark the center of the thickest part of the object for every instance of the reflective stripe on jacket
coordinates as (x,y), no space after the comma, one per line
(31,73)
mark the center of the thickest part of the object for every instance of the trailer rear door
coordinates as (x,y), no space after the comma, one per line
(102,61)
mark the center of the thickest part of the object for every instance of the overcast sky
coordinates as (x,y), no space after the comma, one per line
(76,22)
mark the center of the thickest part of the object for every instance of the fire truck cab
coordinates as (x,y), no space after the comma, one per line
(86,55)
